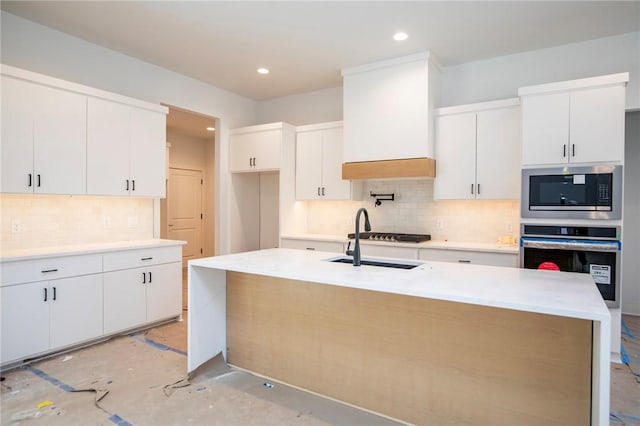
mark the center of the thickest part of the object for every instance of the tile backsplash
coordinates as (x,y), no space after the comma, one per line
(34,221)
(415,211)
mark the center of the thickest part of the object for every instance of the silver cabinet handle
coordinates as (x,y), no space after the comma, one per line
(323,191)
(478,189)
(472,188)
(564,150)
(463,261)
(573,149)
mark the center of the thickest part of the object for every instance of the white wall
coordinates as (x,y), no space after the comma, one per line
(630,287)
(490,79)
(307,108)
(187,152)
(40,49)
(500,77)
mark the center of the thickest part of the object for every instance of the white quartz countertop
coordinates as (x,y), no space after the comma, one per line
(434,244)
(548,292)
(78,249)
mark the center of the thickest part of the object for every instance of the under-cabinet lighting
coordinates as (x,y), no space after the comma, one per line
(263,71)
(211,129)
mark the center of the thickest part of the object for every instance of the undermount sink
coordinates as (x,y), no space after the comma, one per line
(381,263)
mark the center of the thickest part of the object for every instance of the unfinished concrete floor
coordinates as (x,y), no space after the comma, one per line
(134,370)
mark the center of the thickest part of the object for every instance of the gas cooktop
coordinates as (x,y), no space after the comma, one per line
(392,237)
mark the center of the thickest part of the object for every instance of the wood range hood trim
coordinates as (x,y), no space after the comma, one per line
(388,169)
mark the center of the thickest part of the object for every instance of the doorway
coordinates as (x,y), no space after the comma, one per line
(187,213)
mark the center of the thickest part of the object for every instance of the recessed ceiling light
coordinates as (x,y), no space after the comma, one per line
(400,36)
(263,71)
(211,129)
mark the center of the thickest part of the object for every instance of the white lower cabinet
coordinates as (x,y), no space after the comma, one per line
(330,246)
(48,315)
(141,294)
(53,303)
(25,321)
(464,256)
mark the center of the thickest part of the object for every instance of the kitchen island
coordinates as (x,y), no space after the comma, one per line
(438,344)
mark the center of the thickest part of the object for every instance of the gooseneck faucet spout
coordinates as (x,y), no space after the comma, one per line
(367,227)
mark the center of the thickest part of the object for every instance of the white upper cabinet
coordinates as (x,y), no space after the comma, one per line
(255,148)
(388,109)
(579,121)
(43,139)
(478,151)
(319,164)
(60,137)
(125,150)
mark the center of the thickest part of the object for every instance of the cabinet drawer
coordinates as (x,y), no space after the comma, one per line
(50,268)
(330,246)
(141,257)
(476,257)
(387,251)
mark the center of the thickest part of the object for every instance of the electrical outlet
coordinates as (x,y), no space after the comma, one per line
(107,222)
(132,222)
(16,226)
(508,226)
(440,224)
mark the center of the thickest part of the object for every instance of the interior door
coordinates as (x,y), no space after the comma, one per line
(184,211)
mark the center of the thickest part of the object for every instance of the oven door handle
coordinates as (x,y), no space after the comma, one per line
(566,244)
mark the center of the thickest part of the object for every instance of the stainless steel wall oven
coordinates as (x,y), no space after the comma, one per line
(591,250)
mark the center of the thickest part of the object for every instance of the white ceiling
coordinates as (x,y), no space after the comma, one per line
(306,43)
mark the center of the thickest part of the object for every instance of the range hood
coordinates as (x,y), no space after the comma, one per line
(389,119)
(385,169)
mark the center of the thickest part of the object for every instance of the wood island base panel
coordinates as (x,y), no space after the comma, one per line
(418,360)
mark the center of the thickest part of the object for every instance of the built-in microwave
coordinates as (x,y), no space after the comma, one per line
(592,192)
